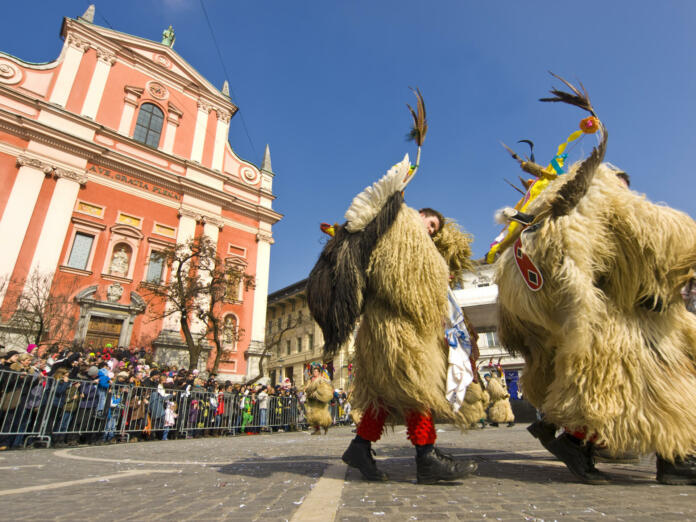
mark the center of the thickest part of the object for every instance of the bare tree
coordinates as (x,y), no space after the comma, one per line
(224,280)
(274,341)
(44,312)
(200,283)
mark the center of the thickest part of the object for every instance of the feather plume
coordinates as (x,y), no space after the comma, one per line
(420,123)
(577,97)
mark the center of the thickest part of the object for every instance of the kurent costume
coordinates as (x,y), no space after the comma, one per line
(476,401)
(319,393)
(589,295)
(500,409)
(382,266)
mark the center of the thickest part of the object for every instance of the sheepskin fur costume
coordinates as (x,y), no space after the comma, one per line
(455,246)
(399,348)
(500,410)
(608,344)
(319,393)
(382,267)
(476,401)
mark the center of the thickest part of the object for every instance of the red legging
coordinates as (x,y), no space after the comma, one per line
(420,427)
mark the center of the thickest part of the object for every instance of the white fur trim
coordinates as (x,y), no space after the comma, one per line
(369,202)
(503,215)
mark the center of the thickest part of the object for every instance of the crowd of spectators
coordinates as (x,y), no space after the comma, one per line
(75,396)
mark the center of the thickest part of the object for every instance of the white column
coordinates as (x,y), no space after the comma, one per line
(173,116)
(212,230)
(66,76)
(187,229)
(55,226)
(199,133)
(18,212)
(105,59)
(131,102)
(263,261)
(223,122)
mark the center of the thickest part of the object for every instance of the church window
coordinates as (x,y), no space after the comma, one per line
(81,248)
(148,127)
(155,267)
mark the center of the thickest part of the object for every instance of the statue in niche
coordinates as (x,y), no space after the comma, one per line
(120,263)
(230,329)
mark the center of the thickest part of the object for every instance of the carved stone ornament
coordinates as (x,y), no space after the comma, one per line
(249,175)
(223,115)
(78,42)
(213,221)
(106,56)
(9,72)
(157,90)
(204,105)
(78,177)
(26,161)
(265,237)
(163,61)
(185,212)
(114,292)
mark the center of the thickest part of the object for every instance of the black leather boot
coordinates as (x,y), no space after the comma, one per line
(543,431)
(678,473)
(434,465)
(359,455)
(577,458)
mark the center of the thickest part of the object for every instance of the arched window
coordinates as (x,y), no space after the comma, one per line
(148,127)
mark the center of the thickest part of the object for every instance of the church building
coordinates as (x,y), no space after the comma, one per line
(109,155)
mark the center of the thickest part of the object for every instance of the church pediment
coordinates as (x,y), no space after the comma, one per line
(158,57)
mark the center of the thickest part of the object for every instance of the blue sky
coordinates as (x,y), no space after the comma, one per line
(325,83)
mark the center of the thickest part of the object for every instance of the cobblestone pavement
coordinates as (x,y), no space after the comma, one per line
(276,477)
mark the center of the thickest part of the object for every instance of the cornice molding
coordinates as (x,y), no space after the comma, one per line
(87,33)
(30,129)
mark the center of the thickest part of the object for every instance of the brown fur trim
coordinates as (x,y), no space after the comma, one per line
(319,393)
(320,390)
(455,246)
(475,402)
(337,282)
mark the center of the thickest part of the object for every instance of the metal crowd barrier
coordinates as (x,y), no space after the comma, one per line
(34,408)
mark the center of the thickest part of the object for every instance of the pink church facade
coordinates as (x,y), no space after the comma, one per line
(111,153)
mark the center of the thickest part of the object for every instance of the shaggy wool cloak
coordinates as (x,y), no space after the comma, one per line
(500,410)
(319,393)
(608,344)
(475,402)
(399,348)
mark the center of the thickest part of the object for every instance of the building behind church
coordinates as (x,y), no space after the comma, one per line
(110,154)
